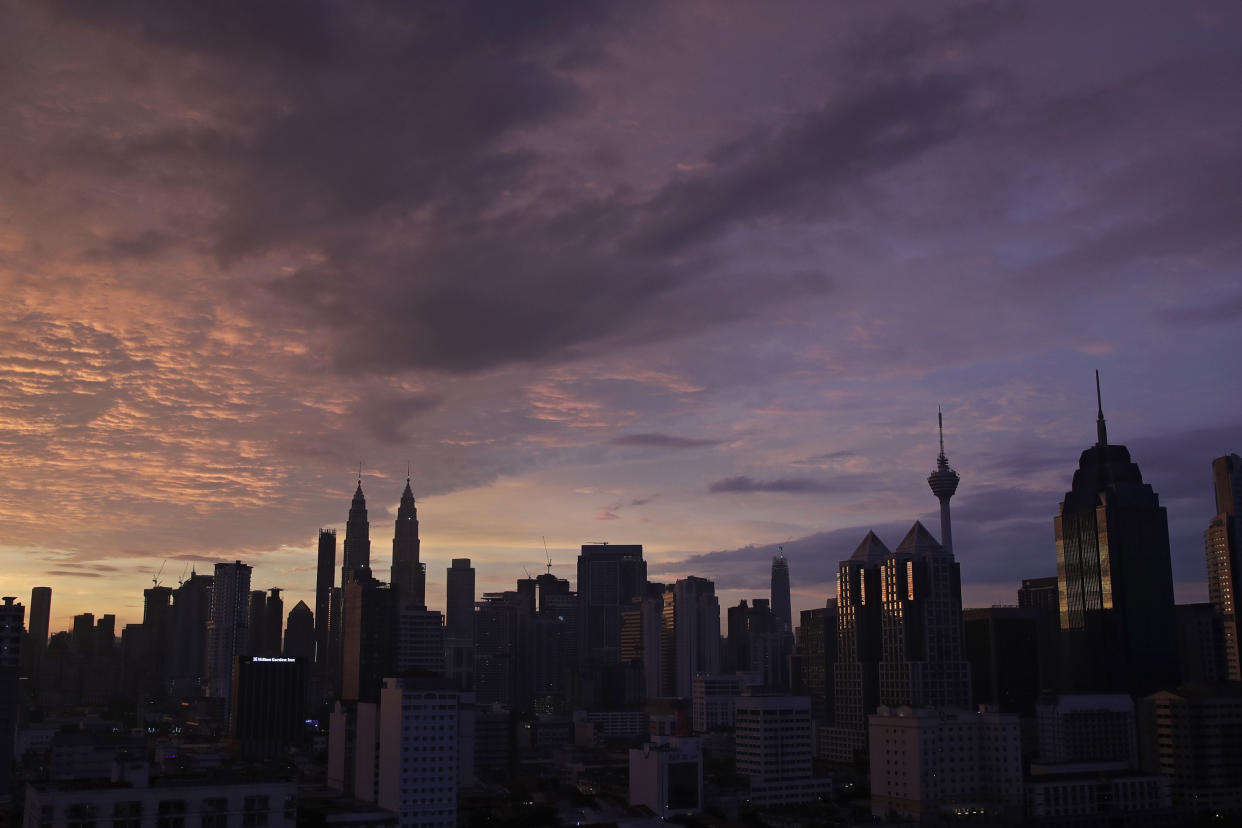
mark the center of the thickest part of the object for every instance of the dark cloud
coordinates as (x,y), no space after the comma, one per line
(827,458)
(386,413)
(795,485)
(73,573)
(667,441)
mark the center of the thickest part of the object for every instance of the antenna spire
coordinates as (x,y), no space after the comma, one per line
(1101,431)
(359,472)
(940,421)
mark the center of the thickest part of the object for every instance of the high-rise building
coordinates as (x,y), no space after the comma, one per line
(40,617)
(300,633)
(1039,595)
(609,579)
(1200,644)
(999,645)
(924,653)
(228,626)
(256,636)
(409,576)
(695,644)
(818,643)
(1223,547)
(1193,736)
(420,640)
(325,578)
(84,634)
(459,600)
(1115,580)
(356,557)
(773,752)
(273,623)
(265,718)
(780,594)
(425,747)
(367,635)
(12,625)
(191,611)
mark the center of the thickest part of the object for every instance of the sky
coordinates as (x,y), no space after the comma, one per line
(695,275)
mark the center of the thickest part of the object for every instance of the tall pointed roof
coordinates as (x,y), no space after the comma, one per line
(1101,430)
(359,497)
(919,543)
(871,550)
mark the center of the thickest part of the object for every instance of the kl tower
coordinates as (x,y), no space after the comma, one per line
(943,482)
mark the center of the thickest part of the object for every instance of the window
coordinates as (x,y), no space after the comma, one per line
(215,812)
(255,811)
(80,815)
(170,813)
(127,815)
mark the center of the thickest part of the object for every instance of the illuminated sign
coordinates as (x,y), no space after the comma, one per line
(274,660)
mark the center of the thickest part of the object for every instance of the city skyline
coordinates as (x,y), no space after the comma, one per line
(593,280)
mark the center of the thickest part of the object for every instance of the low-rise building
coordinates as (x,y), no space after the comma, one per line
(668,777)
(1193,735)
(931,761)
(713,698)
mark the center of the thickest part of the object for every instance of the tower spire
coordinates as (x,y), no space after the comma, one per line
(1101,431)
(943,482)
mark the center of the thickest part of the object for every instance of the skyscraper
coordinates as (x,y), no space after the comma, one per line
(780,594)
(1115,580)
(1223,546)
(226,630)
(40,616)
(191,612)
(325,577)
(300,633)
(695,640)
(943,481)
(609,579)
(12,616)
(256,624)
(356,557)
(459,600)
(409,578)
(273,623)
(923,661)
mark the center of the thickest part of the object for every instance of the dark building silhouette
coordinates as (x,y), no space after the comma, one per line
(84,635)
(609,579)
(554,643)
(1040,596)
(1115,581)
(105,635)
(780,594)
(368,638)
(191,612)
(300,633)
(1000,643)
(1200,644)
(409,576)
(36,638)
(817,641)
(266,716)
(227,626)
(497,655)
(459,600)
(257,624)
(273,623)
(12,625)
(325,579)
(756,644)
(1223,548)
(356,557)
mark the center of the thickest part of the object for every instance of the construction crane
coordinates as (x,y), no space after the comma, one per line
(545,553)
(181,580)
(155,582)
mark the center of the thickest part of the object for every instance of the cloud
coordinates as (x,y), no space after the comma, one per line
(747,485)
(667,441)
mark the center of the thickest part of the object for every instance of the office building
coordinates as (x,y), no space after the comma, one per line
(1201,652)
(409,575)
(425,735)
(356,556)
(642,643)
(191,612)
(36,638)
(856,677)
(12,626)
(773,748)
(667,776)
(367,637)
(923,661)
(420,640)
(1087,731)
(1223,548)
(692,639)
(266,716)
(817,642)
(227,626)
(713,699)
(1115,581)
(999,644)
(300,634)
(610,577)
(931,762)
(273,623)
(1039,595)
(459,600)
(325,578)
(1193,736)
(256,632)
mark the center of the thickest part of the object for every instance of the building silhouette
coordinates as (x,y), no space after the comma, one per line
(36,637)
(1223,547)
(692,634)
(227,627)
(12,625)
(780,594)
(300,633)
(325,580)
(1115,581)
(609,579)
(409,576)
(191,612)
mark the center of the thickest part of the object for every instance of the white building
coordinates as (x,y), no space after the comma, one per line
(131,799)
(425,739)
(668,777)
(928,761)
(773,748)
(713,698)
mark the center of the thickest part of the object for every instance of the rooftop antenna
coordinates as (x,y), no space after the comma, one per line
(1101,432)
(407,471)
(545,553)
(359,472)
